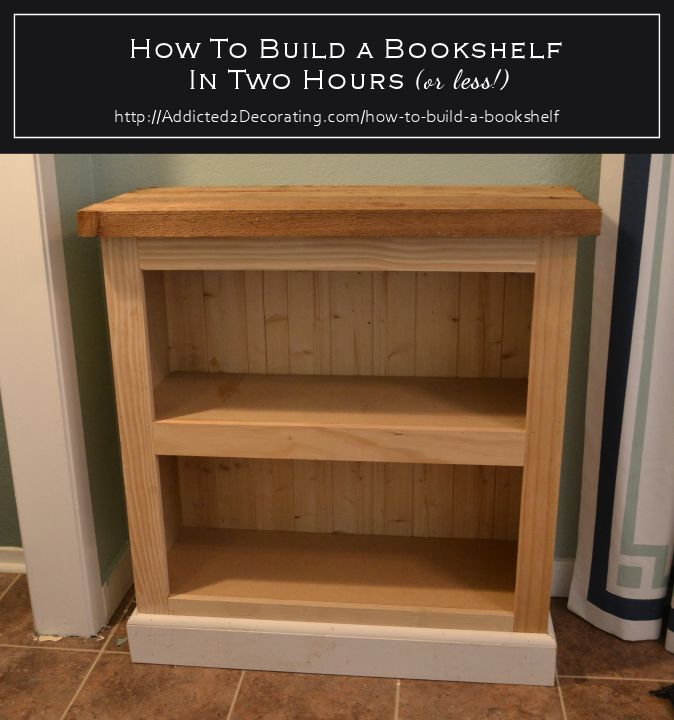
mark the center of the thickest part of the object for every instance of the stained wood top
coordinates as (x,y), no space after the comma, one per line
(344,211)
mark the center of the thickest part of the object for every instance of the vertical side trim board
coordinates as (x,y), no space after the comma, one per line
(548,372)
(133,390)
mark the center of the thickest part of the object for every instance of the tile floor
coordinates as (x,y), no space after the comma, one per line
(600,678)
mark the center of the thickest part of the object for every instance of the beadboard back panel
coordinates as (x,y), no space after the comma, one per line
(432,324)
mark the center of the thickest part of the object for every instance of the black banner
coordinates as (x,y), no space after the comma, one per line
(178,80)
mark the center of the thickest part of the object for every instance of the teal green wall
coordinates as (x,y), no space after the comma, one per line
(9,522)
(83,178)
(76,184)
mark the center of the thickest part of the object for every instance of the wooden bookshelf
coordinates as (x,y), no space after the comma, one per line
(341,414)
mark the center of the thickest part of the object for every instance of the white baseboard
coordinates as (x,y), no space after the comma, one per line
(308,647)
(562,571)
(120,580)
(12,560)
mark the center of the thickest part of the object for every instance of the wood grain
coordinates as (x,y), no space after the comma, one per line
(480,324)
(341,418)
(384,323)
(273,483)
(352,497)
(548,371)
(157,327)
(225,321)
(364,498)
(437,324)
(312,496)
(186,322)
(329,211)
(132,369)
(427,582)
(433,501)
(276,322)
(198,492)
(235,493)
(507,497)
(343,254)
(517,307)
(170,498)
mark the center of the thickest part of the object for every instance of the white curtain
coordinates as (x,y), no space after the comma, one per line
(622,576)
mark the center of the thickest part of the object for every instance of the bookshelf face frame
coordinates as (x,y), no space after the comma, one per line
(154,522)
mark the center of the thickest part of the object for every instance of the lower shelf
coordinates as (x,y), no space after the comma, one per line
(360,579)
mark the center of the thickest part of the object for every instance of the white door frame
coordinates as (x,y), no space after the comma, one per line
(38,384)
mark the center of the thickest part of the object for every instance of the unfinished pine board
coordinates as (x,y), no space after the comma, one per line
(507,500)
(335,211)
(473,501)
(343,254)
(352,497)
(225,321)
(427,582)
(132,368)
(548,372)
(393,499)
(351,323)
(157,325)
(235,493)
(480,324)
(276,322)
(273,483)
(517,304)
(435,420)
(198,491)
(186,323)
(312,496)
(433,499)
(256,335)
(170,498)
(362,498)
(345,323)
(309,323)
(437,324)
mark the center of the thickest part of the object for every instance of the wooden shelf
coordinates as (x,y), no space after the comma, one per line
(388,419)
(385,580)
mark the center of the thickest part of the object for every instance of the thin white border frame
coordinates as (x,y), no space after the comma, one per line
(336,137)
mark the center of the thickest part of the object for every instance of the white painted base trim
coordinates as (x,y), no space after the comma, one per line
(562,572)
(12,560)
(420,653)
(117,585)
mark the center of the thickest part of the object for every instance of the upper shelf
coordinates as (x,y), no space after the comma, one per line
(344,211)
(471,421)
